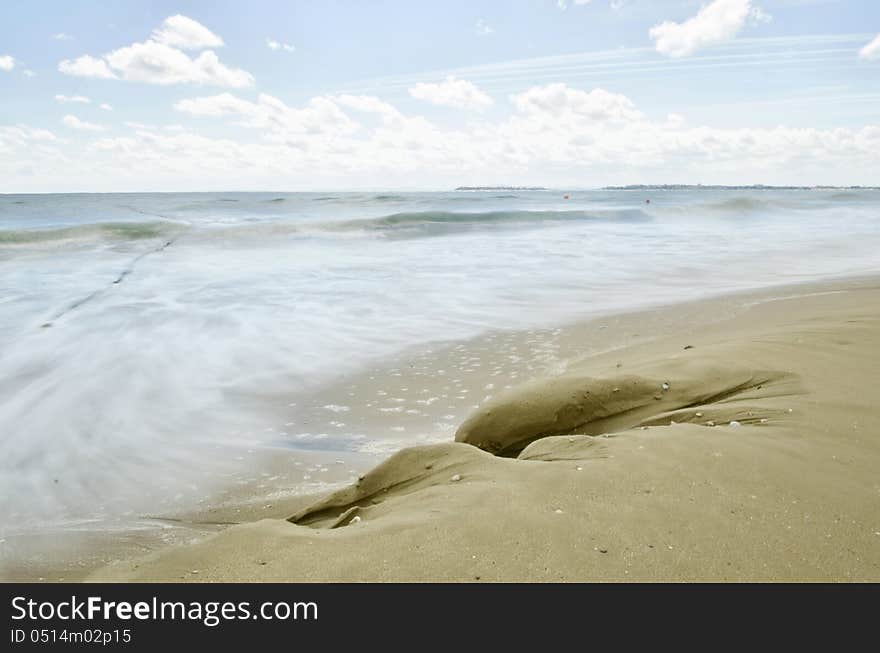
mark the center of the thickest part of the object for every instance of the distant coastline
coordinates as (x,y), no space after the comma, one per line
(724,187)
(501,188)
(674,187)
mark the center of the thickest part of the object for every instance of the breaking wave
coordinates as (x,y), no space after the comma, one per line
(427,223)
(89,232)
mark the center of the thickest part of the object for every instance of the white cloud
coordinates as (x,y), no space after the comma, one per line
(559,102)
(483,28)
(61,36)
(370,104)
(75,123)
(182,32)
(106,107)
(29,73)
(320,115)
(272,44)
(7,63)
(76,99)
(452,92)
(86,66)
(716,22)
(563,4)
(215,105)
(161,59)
(552,134)
(157,63)
(872,50)
(22,135)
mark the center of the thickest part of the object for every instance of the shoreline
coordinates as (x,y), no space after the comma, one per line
(576,344)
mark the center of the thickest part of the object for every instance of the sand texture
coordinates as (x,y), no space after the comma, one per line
(748,449)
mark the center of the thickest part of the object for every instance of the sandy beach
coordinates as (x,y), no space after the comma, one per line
(739,444)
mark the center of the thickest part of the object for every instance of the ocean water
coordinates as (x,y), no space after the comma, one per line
(145,336)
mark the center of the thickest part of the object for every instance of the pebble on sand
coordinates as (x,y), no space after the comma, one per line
(456,478)
(734,423)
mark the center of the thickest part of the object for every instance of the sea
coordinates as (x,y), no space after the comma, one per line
(145,337)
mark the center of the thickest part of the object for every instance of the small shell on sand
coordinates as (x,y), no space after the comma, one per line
(665,386)
(558,511)
(710,423)
(456,478)
(734,423)
(698,414)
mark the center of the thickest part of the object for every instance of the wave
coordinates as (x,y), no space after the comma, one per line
(435,222)
(869,195)
(751,205)
(418,224)
(94,231)
(388,198)
(740,205)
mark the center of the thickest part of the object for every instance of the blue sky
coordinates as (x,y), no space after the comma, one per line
(300,95)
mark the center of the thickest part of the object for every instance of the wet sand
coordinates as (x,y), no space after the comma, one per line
(729,439)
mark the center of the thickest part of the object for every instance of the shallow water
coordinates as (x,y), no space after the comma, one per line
(148,341)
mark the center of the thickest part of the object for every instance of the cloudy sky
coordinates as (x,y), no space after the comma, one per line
(191,95)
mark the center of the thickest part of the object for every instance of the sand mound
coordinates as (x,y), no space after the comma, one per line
(406,472)
(577,404)
(557,419)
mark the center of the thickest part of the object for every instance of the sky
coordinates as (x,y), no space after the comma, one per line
(221,95)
